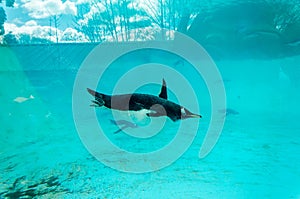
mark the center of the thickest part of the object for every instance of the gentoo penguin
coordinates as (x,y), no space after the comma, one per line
(156,106)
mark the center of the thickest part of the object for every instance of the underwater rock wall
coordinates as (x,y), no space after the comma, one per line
(248,29)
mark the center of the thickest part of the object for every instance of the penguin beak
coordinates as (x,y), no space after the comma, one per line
(187,114)
(194,116)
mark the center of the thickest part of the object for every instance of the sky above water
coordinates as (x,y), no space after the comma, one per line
(35,17)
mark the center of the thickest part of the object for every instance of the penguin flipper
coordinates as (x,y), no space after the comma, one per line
(118,131)
(121,129)
(154,113)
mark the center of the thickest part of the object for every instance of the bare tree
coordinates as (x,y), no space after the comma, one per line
(91,26)
(174,14)
(166,14)
(56,21)
(116,19)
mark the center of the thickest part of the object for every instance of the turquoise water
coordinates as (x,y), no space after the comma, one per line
(257,154)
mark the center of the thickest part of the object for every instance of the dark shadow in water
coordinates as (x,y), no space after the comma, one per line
(125,124)
(19,189)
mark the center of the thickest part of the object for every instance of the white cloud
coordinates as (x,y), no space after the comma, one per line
(42,9)
(94,9)
(70,8)
(10,27)
(31,23)
(33,29)
(78,2)
(45,32)
(16,5)
(17,21)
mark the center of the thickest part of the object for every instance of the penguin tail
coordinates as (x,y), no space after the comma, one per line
(98,98)
(93,93)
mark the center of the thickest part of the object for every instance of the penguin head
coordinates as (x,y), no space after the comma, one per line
(188,114)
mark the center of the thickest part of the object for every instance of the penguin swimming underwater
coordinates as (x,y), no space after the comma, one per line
(156,106)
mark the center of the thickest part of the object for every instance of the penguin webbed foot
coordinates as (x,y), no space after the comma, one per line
(96,103)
